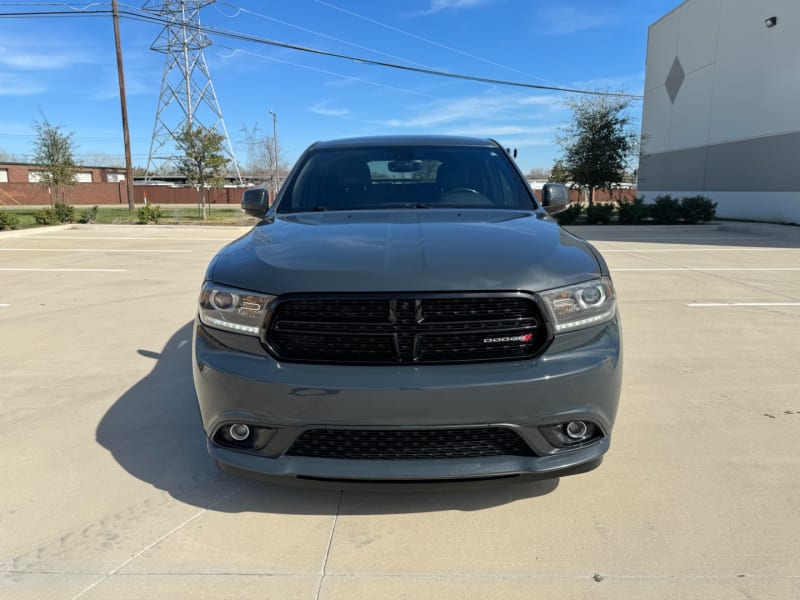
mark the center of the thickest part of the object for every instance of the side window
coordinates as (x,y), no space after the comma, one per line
(505,195)
(506,187)
(308,187)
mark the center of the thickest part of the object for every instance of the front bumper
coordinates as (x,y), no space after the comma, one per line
(577,378)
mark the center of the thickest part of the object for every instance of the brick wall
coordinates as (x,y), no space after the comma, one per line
(19,173)
(90,194)
(602,196)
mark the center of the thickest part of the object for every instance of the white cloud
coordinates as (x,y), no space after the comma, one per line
(29,61)
(455,4)
(515,120)
(472,109)
(12,84)
(26,54)
(325,111)
(504,131)
(566,20)
(441,5)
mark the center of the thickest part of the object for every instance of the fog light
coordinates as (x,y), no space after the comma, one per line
(571,434)
(576,430)
(239,432)
(239,436)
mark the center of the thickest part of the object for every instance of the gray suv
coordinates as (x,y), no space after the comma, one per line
(407,310)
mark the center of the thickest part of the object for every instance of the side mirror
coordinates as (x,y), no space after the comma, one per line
(255,202)
(555,198)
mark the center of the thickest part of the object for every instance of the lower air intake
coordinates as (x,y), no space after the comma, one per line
(404,444)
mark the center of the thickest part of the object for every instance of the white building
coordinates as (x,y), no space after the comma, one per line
(721,113)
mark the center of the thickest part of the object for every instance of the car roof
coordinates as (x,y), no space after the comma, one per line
(405,140)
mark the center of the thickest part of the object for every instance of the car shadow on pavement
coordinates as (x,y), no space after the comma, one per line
(154,432)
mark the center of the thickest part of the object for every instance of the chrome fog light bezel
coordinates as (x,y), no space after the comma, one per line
(257,438)
(557,434)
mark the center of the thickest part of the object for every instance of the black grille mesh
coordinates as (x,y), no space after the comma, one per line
(406,329)
(403,444)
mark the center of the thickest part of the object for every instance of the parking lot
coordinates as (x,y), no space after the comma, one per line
(108,492)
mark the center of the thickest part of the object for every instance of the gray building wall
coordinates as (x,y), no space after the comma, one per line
(721,113)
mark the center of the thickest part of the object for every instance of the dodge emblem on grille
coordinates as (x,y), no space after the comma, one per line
(514,338)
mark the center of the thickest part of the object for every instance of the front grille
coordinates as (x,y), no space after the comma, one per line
(406,329)
(405,444)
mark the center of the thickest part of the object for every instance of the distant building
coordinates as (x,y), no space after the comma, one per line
(721,113)
(12,172)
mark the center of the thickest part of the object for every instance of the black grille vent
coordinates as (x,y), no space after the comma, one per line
(402,444)
(406,329)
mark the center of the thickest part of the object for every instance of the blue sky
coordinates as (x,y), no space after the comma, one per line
(65,68)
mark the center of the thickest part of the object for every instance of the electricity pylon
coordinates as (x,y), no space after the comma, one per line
(187,93)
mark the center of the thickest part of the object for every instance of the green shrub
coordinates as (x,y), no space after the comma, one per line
(570,215)
(599,214)
(149,213)
(698,209)
(666,210)
(633,212)
(8,220)
(46,216)
(53,215)
(64,212)
(88,215)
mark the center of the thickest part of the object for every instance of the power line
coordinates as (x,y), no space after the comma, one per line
(250,38)
(54,13)
(326,72)
(137,16)
(239,10)
(430,41)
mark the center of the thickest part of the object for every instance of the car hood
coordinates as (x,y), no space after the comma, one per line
(412,250)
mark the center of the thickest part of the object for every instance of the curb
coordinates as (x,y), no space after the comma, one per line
(34,230)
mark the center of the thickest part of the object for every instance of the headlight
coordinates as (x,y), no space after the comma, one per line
(581,305)
(235,310)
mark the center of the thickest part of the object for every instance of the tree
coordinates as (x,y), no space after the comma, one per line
(261,159)
(538,173)
(6,156)
(202,163)
(559,173)
(53,157)
(600,142)
(103,159)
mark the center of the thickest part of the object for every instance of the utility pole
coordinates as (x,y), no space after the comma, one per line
(274,154)
(124,106)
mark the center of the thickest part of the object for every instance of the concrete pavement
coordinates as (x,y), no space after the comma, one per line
(109,493)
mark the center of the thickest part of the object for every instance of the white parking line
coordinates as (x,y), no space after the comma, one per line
(125,237)
(158,251)
(709,269)
(67,270)
(703,249)
(717,304)
(677,239)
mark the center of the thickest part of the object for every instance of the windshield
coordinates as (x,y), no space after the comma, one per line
(406,177)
